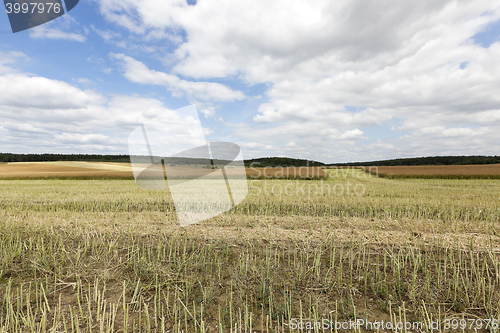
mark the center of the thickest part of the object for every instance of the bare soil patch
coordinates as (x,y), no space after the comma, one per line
(437,171)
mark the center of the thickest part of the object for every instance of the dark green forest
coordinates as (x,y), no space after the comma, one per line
(8,157)
(432,160)
(256,162)
(280,162)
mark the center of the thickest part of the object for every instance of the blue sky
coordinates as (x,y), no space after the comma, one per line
(330,81)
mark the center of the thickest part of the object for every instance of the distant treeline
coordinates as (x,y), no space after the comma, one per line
(257,162)
(8,157)
(433,160)
(280,162)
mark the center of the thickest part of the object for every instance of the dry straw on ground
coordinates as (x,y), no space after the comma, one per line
(107,256)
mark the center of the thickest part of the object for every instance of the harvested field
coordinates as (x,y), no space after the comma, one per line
(486,171)
(124,170)
(107,256)
(64,170)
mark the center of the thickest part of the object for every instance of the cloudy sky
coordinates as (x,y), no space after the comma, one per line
(334,81)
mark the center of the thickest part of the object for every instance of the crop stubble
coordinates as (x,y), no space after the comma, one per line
(105,255)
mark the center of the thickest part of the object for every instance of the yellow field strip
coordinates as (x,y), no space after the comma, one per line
(88,165)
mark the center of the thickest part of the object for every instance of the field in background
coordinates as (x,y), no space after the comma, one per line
(287,173)
(124,170)
(105,255)
(484,171)
(65,170)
